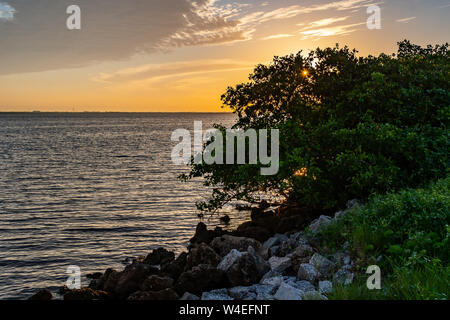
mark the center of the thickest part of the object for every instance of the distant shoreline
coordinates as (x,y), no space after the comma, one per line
(111,112)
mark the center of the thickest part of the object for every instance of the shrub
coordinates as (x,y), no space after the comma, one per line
(407,233)
(350,126)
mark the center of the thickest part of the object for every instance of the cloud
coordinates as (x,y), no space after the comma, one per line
(406,20)
(6,12)
(327,21)
(37,38)
(171,70)
(278,36)
(330,31)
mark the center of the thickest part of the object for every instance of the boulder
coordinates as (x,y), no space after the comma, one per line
(247,269)
(242,293)
(279,264)
(272,281)
(344,276)
(353,203)
(229,259)
(251,230)
(319,223)
(42,295)
(85,294)
(202,234)
(223,245)
(340,215)
(189,296)
(159,256)
(201,254)
(166,294)
(270,243)
(325,287)
(286,247)
(302,285)
(218,294)
(287,292)
(176,267)
(200,279)
(156,283)
(322,265)
(264,292)
(130,279)
(307,272)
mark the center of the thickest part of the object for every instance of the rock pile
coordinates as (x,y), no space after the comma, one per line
(224,265)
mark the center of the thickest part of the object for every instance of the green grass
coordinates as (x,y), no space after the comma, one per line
(407,235)
(428,283)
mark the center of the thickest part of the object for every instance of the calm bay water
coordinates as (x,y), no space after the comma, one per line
(90,190)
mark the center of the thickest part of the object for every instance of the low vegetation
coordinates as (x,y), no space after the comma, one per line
(407,234)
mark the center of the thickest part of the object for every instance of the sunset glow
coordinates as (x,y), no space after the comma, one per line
(138,62)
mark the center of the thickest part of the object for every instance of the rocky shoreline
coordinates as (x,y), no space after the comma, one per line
(270,257)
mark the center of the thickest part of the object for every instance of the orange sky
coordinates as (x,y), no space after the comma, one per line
(187,66)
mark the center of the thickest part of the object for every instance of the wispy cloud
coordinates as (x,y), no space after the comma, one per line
(330,31)
(323,28)
(327,21)
(6,11)
(171,70)
(406,20)
(278,36)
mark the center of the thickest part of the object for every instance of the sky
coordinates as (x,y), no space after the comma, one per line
(181,55)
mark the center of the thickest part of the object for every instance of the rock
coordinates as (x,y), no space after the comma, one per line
(303,250)
(176,267)
(286,247)
(270,243)
(42,295)
(279,264)
(202,234)
(200,279)
(106,282)
(319,223)
(307,272)
(265,219)
(156,283)
(219,294)
(322,264)
(274,281)
(166,294)
(225,219)
(247,269)
(242,293)
(223,245)
(95,275)
(159,256)
(291,223)
(264,205)
(344,276)
(287,292)
(201,254)
(130,279)
(302,285)
(189,296)
(325,287)
(273,251)
(264,292)
(353,203)
(252,230)
(229,259)
(85,294)
(340,215)
(341,259)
